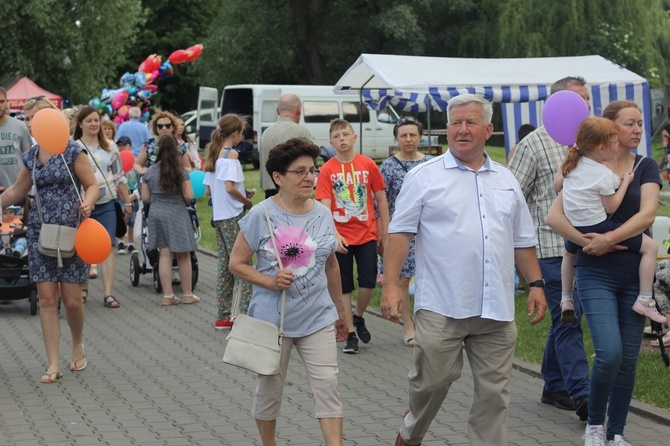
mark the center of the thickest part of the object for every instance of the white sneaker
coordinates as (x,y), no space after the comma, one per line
(618,441)
(594,436)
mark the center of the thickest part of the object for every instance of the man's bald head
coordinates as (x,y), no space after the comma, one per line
(289,107)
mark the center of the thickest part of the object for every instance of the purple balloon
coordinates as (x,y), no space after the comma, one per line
(562,114)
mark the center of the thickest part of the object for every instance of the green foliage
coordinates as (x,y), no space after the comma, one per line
(310,41)
(171,26)
(249,42)
(629,34)
(71,47)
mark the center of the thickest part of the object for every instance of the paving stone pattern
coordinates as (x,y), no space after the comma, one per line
(155,377)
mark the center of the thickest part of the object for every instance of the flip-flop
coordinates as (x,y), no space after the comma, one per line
(84,295)
(51,377)
(409,342)
(111,303)
(73,363)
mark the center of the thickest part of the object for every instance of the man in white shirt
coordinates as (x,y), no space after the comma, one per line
(472,225)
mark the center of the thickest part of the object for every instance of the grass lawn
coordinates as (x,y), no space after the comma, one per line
(653,378)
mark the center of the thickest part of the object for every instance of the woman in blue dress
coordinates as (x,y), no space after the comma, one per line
(60,205)
(407,132)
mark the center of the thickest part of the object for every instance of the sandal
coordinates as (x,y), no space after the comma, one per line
(73,364)
(190,299)
(93,272)
(50,377)
(84,295)
(110,301)
(666,341)
(170,300)
(409,342)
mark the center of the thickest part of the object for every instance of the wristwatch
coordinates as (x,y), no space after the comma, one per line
(537,283)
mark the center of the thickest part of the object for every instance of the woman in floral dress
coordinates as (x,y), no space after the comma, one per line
(59,204)
(407,132)
(314,313)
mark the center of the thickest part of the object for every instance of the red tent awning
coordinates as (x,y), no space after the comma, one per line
(25,89)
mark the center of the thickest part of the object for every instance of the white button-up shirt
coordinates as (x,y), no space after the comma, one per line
(467,225)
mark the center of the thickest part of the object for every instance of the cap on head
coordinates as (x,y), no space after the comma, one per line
(124,140)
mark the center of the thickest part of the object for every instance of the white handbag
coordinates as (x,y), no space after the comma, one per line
(55,240)
(254,344)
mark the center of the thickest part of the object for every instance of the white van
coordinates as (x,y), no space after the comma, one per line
(319,105)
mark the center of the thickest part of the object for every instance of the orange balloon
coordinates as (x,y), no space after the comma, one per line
(92,242)
(51,130)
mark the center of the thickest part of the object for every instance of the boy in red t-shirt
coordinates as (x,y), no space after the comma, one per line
(346,185)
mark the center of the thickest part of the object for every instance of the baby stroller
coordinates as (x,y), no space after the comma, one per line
(14,275)
(145,260)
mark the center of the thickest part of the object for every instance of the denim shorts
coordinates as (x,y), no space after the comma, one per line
(105,214)
(135,208)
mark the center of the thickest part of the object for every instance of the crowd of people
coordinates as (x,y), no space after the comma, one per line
(339,227)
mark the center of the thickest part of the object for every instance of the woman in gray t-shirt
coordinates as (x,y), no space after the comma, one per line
(314,312)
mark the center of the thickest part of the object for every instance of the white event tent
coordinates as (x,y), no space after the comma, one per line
(417,83)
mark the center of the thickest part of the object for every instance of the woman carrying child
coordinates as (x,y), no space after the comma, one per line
(608,279)
(590,194)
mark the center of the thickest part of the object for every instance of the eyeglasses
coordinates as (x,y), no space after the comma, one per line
(302,173)
(164,126)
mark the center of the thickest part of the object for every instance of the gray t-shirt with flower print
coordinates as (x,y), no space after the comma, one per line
(304,242)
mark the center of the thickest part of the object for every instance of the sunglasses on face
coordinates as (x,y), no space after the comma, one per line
(164,126)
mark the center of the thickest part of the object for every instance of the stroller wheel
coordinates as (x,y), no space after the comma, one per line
(157,281)
(134,269)
(33,302)
(194,270)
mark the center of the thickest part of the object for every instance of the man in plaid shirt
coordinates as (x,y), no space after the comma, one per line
(535,162)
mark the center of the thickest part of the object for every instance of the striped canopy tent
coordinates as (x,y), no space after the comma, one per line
(417,83)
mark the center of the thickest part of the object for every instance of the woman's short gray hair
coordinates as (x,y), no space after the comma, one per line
(466,99)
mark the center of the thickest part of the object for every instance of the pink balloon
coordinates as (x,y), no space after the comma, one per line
(562,114)
(118,120)
(152,76)
(152,88)
(123,112)
(119,99)
(127,160)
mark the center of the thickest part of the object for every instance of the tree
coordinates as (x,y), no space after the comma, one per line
(71,47)
(625,32)
(171,26)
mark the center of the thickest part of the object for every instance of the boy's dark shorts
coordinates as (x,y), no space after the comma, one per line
(366,262)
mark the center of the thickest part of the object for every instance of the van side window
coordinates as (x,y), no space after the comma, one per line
(320,111)
(269,111)
(350,112)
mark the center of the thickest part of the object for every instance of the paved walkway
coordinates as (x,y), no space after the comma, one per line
(155,377)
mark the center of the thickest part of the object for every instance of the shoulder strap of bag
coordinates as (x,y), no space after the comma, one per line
(638,163)
(96,165)
(281,266)
(400,164)
(37,195)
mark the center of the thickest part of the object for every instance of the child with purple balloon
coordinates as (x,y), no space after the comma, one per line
(591,191)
